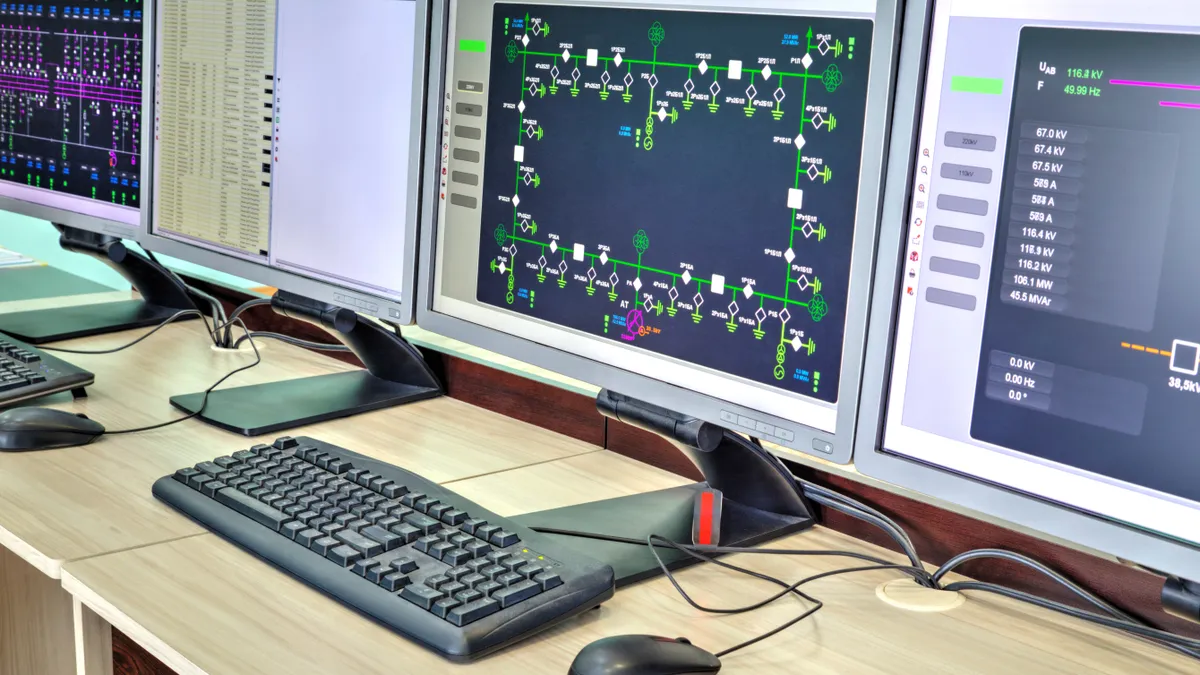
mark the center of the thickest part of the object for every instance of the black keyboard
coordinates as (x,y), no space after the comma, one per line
(420,559)
(27,372)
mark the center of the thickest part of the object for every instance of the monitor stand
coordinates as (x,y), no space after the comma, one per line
(163,296)
(761,501)
(396,374)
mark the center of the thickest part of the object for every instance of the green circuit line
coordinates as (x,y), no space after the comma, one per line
(656,62)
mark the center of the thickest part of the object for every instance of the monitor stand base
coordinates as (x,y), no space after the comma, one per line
(396,374)
(163,293)
(761,501)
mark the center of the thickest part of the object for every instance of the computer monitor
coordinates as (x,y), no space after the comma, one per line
(1036,344)
(71,113)
(286,149)
(673,200)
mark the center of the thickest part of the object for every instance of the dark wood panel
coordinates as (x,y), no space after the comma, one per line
(518,397)
(644,446)
(130,659)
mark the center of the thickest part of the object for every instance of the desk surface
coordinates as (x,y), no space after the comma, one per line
(69,504)
(202,606)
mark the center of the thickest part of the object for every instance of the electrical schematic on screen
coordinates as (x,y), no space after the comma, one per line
(683,182)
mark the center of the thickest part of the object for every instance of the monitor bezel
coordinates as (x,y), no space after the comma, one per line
(879,99)
(96,224)
(1024,510)
(400,312)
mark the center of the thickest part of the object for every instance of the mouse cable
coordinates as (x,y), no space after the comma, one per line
(204,401)
(918,574)
(307,344)
(655,541)
(174,317)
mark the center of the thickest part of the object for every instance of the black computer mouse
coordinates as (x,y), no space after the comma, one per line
(25,429)
(643,655)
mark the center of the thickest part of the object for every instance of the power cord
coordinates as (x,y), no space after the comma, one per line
(227,336)
(204,401)
(307,344)
(174,317)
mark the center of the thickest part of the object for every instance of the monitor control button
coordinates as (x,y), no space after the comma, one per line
(471,87)
(823,446)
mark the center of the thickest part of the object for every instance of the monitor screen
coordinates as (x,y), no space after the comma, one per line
(71,112)
(669,192)
(1048,338)
(287,136)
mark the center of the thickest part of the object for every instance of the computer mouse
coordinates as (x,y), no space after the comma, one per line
(643,655)
(23,429)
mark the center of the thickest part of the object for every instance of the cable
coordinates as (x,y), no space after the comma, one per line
(307,344)
(249,304)
(218,312)
(1177,643)
(820,489)
(203,401)
(174,317)
(917,573)
(891,529)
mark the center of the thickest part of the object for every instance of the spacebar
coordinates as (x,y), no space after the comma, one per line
(251,507)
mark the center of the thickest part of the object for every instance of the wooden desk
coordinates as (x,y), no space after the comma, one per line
(202,606)
(63,505)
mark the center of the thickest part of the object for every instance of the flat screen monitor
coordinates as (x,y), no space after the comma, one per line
(71,113)
(673,200)
(287,141)
(1043,355)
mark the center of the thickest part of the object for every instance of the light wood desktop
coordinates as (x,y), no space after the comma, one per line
(63,505)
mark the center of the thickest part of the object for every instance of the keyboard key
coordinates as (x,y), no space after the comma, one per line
(486,531)
(454,517)
(360,494)
(530,571)
(442,607)
(307,537)
(440,549)
(412,498)
(364,545)
(362,567)
(285,443)
(374,516)
(183,475)
(210,488)
(225,462)
(339,466)
(407,531)
(375,500)
(548,580)
(477,548)
(386,522)
(376,574)
(365,479)
(479,564)
(452,587)
(436,510)
(518,592)
(470,524)
(512,563)
(318,522)
(424,503)
(504,539)
(425,542)
(252,508)
(377,483)
(461,539)
(437,581)
(353,474)
(473,579)
(404,565)
(197,481)
(469,595)
(459,572)
(493,571)
(333,512)
(331,528)
(446,535)
(324,545)
(210,468)
(509,578)
(472,611)
(344,555)
(357,524)
(389,540)
(244,455)
(423,523)
(394,582)
(271,499)
(488,587)
(421,596)
(290,530)
(393,490)
(456,556)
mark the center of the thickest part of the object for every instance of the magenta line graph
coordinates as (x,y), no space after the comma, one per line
(1177,104)
(1156,85)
